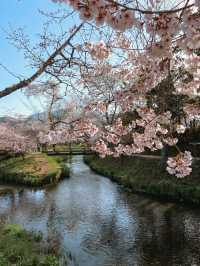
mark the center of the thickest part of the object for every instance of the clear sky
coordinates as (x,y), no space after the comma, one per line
(18,13)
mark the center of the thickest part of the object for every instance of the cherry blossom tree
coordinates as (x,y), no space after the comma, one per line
(150,54)
(169,40)
(13,142)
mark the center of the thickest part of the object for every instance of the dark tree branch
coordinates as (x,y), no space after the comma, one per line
(24,83)
(125,7)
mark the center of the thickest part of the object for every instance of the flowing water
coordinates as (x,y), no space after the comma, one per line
(97,223)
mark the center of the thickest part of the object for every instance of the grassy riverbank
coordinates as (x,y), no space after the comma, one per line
(34,170)
(146,176)
(21,248)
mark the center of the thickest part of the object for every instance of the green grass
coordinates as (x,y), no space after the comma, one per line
(35,170)
(21,248)
(147,176)
(61,160)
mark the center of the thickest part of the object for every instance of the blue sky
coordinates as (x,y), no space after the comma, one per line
(18,13)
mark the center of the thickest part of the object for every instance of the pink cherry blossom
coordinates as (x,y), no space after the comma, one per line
(180,165)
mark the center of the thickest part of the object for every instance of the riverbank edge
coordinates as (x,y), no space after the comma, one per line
(60,171)
(21,247)
(167,188)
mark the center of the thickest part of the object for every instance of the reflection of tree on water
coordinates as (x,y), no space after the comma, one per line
(162,239)
(53,236)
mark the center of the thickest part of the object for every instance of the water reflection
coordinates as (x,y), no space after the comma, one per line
(96,223)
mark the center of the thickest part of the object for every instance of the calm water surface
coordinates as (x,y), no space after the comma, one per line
(97,223)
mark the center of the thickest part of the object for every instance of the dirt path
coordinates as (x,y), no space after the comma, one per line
(156,156)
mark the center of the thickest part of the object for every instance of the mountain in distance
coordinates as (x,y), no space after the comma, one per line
(42,116)
(12,121)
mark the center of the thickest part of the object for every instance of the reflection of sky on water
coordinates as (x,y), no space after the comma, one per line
(96,223)
(36,195)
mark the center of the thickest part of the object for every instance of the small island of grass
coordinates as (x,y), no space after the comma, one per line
(33,170)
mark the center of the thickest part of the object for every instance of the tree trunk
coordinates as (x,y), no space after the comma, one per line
(164,156)
(122,158)
(70,148)
(54,147)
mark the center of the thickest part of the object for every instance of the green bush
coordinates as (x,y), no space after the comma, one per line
(13,230)
(20,248)
(65,171)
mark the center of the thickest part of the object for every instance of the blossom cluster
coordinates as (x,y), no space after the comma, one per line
(98,51)
(192,111)
(104,12)
(180,165)
(12,141)
(148,131)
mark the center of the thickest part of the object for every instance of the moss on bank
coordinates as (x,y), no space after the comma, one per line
(146,176)
(21,248)
(34,170)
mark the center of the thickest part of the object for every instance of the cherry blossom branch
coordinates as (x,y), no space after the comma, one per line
(24,83)
(150,11)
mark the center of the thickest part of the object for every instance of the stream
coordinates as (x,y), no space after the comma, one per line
(95,222)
